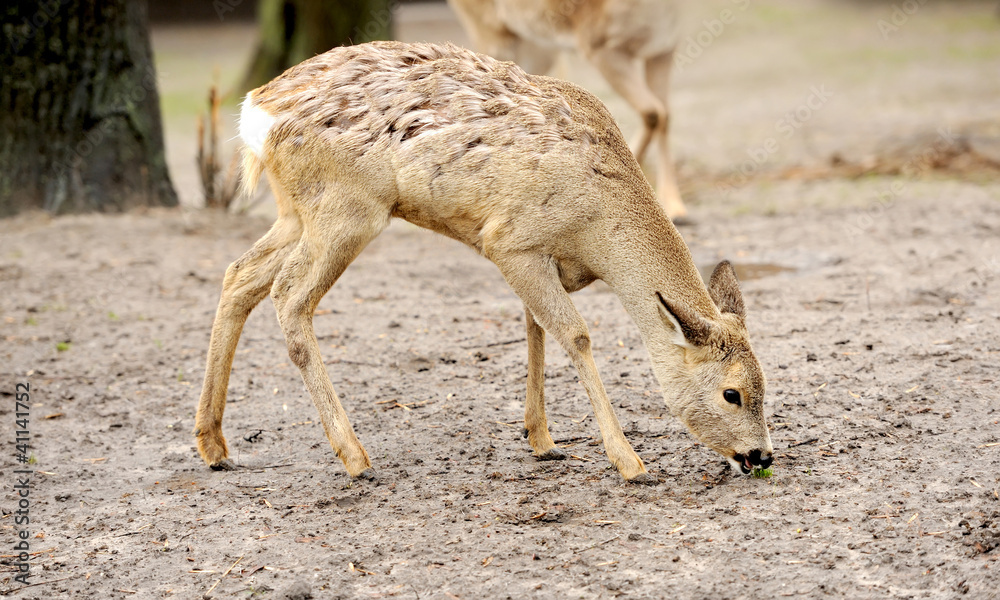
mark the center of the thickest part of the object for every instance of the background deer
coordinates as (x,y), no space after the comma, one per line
(631,42)
(532,173)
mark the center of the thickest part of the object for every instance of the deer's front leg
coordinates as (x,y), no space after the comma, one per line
(535,279)
(536,427)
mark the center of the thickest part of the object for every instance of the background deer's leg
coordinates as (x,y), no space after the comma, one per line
(627,75)
(328,246)
(536,280)
(246,283)
(658,75)
(536,427)
(491,36)
(533,58)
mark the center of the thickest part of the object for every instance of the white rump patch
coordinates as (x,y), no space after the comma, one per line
(255,123)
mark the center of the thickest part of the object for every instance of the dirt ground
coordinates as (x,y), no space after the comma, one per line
(873,304)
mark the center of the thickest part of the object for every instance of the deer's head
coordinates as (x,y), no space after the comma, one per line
(718,391)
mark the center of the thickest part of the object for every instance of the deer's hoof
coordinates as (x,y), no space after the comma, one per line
(552,454)
(367,475)
(644,479)
(224,465)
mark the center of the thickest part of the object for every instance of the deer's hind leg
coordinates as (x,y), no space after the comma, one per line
(247,282)
(536,427)
(330,242)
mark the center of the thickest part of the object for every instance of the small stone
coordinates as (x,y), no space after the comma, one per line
(299,590)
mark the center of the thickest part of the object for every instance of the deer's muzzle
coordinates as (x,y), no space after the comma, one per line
(757,459)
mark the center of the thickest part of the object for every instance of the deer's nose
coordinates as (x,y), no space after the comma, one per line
(760,459)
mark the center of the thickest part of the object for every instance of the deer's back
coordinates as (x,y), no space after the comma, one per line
(451,140)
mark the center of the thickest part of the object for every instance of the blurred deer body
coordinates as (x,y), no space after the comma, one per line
(631,42)
(529,171)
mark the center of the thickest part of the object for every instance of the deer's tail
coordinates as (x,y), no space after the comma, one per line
(255,124)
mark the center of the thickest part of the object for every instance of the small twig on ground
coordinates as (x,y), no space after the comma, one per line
(335,361)
(136,532)
(49,551)
(404,405)
(812,441)
(214,585)
(508,342)
(356,569)
(274,466)
(591,547)
(17,589)
(573,440)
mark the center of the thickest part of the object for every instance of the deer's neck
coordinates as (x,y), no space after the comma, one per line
(647,255)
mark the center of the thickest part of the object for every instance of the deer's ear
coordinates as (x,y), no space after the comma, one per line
(724,288)
(690,328)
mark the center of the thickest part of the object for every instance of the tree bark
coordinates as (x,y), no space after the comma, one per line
(293,30)
(80,125)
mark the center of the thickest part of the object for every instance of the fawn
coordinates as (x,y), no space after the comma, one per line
(532,172)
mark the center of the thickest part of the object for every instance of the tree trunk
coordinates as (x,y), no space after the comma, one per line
(294,30)
(80,125)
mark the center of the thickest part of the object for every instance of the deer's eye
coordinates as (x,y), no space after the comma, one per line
(732,397)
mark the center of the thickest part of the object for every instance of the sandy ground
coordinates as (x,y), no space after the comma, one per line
(872,303)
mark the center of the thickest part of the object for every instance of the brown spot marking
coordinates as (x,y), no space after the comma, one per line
(298,353)
(651,119)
